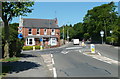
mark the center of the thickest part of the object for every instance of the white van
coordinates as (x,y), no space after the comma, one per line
(76,41)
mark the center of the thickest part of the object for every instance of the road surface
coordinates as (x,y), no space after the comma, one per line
(69,62)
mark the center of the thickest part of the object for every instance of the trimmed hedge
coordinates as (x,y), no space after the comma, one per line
(30,47)
(111,39)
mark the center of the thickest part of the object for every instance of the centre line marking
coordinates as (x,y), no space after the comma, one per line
(53,61)
(54,72)
(51,55)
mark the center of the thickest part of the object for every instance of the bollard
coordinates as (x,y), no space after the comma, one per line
(92,48)
(41,48)
(33,47)
(83,44)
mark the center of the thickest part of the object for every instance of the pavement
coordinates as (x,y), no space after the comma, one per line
(30,65)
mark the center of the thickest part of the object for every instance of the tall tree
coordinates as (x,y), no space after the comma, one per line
(100,18)
(9,11)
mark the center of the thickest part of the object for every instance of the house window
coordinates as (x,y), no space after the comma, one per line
(45,31)
(30,41)
(30,31)
(53,32)
(27,41)
(38,31)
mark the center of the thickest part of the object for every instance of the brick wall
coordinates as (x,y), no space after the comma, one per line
(25,32)
(34,32)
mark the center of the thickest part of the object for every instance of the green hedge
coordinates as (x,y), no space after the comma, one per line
(111,39)
(30,47)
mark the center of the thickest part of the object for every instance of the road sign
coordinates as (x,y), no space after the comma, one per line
(19,31)
(101,32)
(20,36)
(102,35)
(19,28)
(92,48)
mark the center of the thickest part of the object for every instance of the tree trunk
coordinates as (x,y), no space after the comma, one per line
(6,47)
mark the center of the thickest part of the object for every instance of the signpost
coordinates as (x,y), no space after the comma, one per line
(92,48)
(41,40)
(102,35)
(20,36)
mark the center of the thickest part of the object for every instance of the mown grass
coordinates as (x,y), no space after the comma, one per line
(10,59)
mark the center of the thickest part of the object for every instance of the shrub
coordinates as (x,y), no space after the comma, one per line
(27,47)
(112,39)
(108,39)
(37,47)
(30,47)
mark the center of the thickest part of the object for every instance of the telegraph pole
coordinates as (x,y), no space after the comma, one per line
(63,35)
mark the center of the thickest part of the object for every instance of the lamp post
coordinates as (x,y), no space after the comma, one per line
(102,35)
(111,31)
(111,35)
(68,35)
(63,35)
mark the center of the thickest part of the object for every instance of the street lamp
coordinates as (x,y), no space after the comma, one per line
(111,35)
(111,31)
(102,34)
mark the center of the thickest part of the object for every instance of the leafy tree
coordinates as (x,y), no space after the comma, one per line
(100,18)
(70,30)
(79,30)
(15,44)
(9,11)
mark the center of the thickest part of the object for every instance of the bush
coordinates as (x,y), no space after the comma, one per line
(27,47)
(30,47)
(86,36)
(37,47)
(108,39)
(112,39)
(15,44)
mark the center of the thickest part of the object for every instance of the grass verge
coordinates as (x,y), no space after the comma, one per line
(6,69)
(10,59)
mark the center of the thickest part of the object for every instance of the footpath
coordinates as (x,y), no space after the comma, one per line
(97,55)
(30,65)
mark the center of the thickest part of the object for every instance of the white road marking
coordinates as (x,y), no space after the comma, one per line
(99,53)
(64,52)
(54,72)
(49,64)
(51,55)
(80,51)
(103,59)
(53,61)
(47,61)
(116,47)
(73,47)
(50,69)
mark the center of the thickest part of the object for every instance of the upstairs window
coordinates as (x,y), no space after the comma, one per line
(38,31)
(53,32)
(45,31)
(30,31)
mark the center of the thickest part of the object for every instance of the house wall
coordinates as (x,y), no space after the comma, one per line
(41,31)
(25,32)
(34,32)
